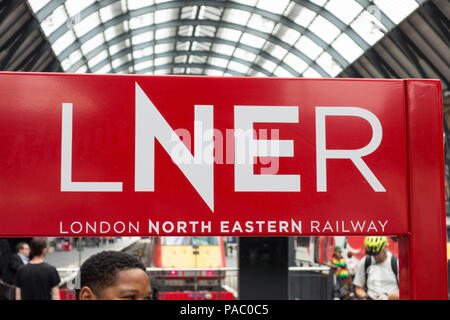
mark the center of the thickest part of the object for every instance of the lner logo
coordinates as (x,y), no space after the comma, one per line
(197,165)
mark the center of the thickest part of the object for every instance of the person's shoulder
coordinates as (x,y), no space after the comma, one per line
(363,259)
(48,266)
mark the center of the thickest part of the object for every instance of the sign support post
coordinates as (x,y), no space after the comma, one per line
(423,253)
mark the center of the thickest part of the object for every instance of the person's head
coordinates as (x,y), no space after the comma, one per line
(337,252)
(349,253)
(23,248)
(376,247)
(113,275)
(38,247)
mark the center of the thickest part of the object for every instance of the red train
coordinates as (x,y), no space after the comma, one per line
(190,265)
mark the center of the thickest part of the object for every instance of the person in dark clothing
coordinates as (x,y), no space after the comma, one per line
(16,261)
(37,280)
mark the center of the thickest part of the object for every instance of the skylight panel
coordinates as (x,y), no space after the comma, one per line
(105,69)
(186,30)
(163,47)
(275,50)
(295,62)
(141,21)
(396,10)
(244,54)
(251,3)
(308,47)
(178,70)
(92,43)
(267,64)
(347,47)
(81,69)
(100,57)
(238,67)
(111,11)
(210,13)
(229,34)
(194,70)
(113,49)
(300,15)
(200,46)
(236,16)
(188,12)
(367,28)
(288,35)
(74,7)
(143,65)
(324,29)
(277,7)
(137,54)
(119,61)
(213,72)
(223,49)
(54,21)
(37,5)
(114,31)
(166,15)
(162,71)
(75,56)
(319,2)
(181,46)
(136,4)
(162,61)
(87,24)
(282,73)
(260,23)
(326,61)
(181,59)
(219,62)
(197,59)
(202,31)
(63,42)
(66,64)
(252,40)
(165,33)
(345,10)
(311,73)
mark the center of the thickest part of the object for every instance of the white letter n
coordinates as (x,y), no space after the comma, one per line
(151,125)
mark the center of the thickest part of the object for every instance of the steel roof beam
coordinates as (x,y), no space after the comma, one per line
(175,53)
(175,39)
(66,52)
(214,3)
(192,65)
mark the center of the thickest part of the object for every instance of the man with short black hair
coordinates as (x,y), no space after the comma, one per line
(37,280)
(113,275)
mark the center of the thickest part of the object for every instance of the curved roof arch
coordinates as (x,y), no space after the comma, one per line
(293,38)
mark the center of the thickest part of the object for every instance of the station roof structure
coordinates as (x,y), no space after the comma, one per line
(283,38)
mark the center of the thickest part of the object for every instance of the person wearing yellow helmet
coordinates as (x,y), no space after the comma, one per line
(377,275)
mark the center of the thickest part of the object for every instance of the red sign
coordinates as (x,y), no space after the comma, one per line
(146,155)
(140,155)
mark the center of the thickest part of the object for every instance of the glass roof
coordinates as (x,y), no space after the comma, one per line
(282,38)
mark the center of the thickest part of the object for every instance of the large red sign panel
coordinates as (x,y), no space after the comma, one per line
(161,155)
